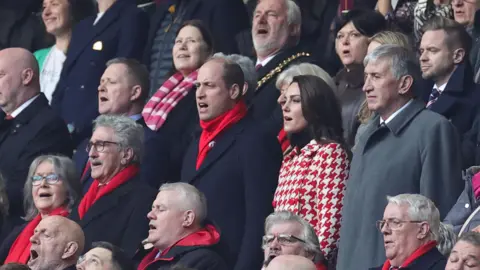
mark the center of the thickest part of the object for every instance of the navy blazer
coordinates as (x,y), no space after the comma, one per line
(238,177)
(36,131)
(119,217)
(121,32)
(223,18)
(432,260)
(458,103)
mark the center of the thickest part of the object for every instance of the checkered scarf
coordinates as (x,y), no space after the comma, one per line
(166,98)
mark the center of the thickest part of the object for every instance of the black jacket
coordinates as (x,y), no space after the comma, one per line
(238,177)
(36,131)
(188,252)
(119,217)
(432,260)
(6,244)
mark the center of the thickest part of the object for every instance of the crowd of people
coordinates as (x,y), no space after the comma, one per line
(217,135)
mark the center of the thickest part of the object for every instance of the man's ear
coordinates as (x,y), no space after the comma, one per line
(235,92)
(294,30)
(423,231)
(70,250)
(405,86)
(135,92)
(27,76)
(245,89)
(188,218)
(458,55)
(127,156)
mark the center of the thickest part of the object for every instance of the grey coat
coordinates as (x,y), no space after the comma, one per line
(465,205)
(417,152)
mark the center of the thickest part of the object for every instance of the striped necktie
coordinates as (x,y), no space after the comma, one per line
(433,97)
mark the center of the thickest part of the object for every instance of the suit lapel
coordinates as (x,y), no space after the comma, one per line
(107,202)
(443,104)
(221,145)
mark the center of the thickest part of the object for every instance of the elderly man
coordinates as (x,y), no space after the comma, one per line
(28,127)
(232,148)
(444,52)
(405,148)
(466,253)
(291,262)
(106,256)
(123,90)
(275,32)
(56,244)
(177,231)
(410,228)
(288,234)
(115,206)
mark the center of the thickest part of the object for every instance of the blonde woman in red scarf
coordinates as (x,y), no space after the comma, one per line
(52,188)
(115,207)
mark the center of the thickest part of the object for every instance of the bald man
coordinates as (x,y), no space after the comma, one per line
(291,262)
(57,243)
(28,126)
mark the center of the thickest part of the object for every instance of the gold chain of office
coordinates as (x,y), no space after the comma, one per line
(280,68)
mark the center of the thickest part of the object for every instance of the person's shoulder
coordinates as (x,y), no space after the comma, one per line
(429,119)
(203,256)
(40,54)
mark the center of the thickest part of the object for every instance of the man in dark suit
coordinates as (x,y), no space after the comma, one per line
(119,30)
(123,90)
(28,127)
(233,162)
(223,18)
(275,39)
(444,48)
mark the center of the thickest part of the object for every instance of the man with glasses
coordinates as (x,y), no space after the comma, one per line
(410,228)
(104,255)
(288,234)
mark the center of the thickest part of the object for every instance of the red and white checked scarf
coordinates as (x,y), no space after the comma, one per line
(166,98)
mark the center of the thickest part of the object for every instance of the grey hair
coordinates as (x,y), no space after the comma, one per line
(191,198)
(4,204)
(128,133)
(311,245)
(294,16)
(420,208)
(402,61)
(447,239)
(471,237)
(286,77)
(247,66)
(66,171)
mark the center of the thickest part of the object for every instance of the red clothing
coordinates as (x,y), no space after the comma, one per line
(312,185)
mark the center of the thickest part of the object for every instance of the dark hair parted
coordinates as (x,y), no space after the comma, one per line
(321,109)
(206,34)
(138,74)
(120,260)
(367,22)
(455,34)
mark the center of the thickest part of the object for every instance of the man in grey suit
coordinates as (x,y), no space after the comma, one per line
(405,149)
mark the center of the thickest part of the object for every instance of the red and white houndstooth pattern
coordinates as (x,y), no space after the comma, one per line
(312,185)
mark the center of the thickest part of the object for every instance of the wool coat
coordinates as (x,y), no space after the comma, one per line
(416,152)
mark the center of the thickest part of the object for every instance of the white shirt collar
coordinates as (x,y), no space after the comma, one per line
(266,60)
(441,87)
(395,113)
(22,107)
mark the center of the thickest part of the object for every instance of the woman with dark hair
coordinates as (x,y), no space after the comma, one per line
(312,177)
(352,32)
(59,17)
(172,110)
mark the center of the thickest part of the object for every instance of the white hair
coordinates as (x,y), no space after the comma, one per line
(311,245)
(402,61)
(420,208)
(191,198)
(286,77)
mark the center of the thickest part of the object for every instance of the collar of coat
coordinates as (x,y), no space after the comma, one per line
(399,122)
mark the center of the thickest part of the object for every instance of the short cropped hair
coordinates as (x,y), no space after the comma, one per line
(247,66)
(120,260)
(232,73)
(420,208)
(390,37)
(471,237)
(191,198)
(137,72)
(128,133)
(456,36)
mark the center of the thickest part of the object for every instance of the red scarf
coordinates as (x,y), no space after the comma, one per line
(94,192)
(415,255)
(283,140)
(20,250)
(214,127)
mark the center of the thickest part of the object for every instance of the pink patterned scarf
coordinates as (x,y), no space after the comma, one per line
(166,98)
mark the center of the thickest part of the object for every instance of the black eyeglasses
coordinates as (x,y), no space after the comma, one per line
(393,224)
(50,179)
(283,239)
(99,146)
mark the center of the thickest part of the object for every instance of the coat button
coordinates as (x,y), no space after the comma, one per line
(467,205)
(82,86)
